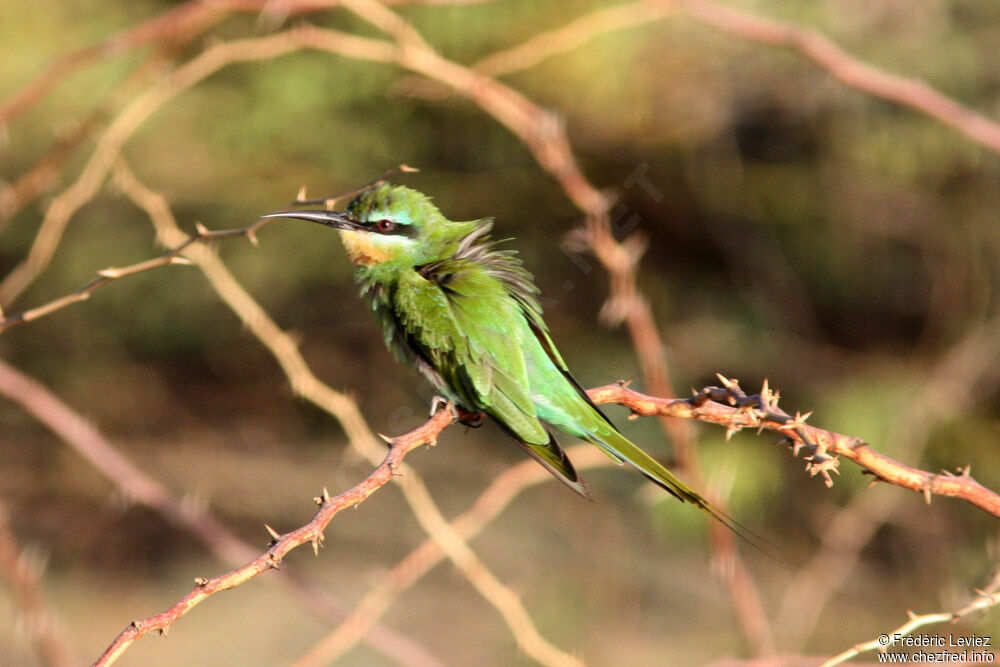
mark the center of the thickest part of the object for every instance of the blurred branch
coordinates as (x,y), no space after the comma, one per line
(761,411)
(986,598)
(177,25)
(129,120)
(504,488)
(968,374)
(908,92)
(141,488)
(574,34)
(311,532)
(22,575)
(346,411)
(45,171)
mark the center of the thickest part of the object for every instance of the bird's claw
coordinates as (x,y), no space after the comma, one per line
(439,402)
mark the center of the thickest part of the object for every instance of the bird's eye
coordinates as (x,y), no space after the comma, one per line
(385,225)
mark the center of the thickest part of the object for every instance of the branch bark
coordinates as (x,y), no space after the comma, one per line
(311,532)
(761,412)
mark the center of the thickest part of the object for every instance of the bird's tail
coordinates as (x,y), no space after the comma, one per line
(622,449)
(554,459)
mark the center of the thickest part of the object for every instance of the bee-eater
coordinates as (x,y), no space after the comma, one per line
(466,314)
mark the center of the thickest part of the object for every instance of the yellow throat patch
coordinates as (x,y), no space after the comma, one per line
(363,249)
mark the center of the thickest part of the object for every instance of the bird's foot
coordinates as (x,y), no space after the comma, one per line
(470,419)
(439,402)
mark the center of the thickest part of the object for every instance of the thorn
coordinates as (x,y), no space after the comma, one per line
(201,229)
(252,237)
(731,430)
(386,438)
(927,493)
(302,193)
(317,542)
(911,615)
(966,470)
(405,168)
(873,482)
(326,495)
(177,259)
(274,562)
(136,624)
(164,630)
(110,272)
(273,533)
(201,581)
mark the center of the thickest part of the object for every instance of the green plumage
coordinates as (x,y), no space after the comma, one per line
(466,314)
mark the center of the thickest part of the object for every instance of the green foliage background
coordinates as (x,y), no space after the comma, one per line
(804,232)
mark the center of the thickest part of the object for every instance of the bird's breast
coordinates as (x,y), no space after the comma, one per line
(363,249)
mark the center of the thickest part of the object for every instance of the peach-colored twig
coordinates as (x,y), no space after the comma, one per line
(139,487)
(985,599)
(311,532)
(760,411)
(429,554)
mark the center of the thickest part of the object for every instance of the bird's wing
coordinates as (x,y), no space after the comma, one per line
(461,321)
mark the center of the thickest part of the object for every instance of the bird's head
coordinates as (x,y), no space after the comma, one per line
(390,226)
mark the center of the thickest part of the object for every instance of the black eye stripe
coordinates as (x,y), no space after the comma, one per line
(388,227)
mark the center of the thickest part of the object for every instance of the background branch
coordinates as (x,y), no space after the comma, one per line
(22,574)
(986,598)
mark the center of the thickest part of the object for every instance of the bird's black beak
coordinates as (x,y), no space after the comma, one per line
(335,219)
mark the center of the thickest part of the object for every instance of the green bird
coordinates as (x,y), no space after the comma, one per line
(466,314)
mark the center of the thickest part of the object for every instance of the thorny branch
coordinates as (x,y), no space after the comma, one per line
(311,532)
(139,487)
(500,493)
(758,411)
(986,598)
(729,406)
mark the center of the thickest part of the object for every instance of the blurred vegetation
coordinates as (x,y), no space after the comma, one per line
(834,243)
